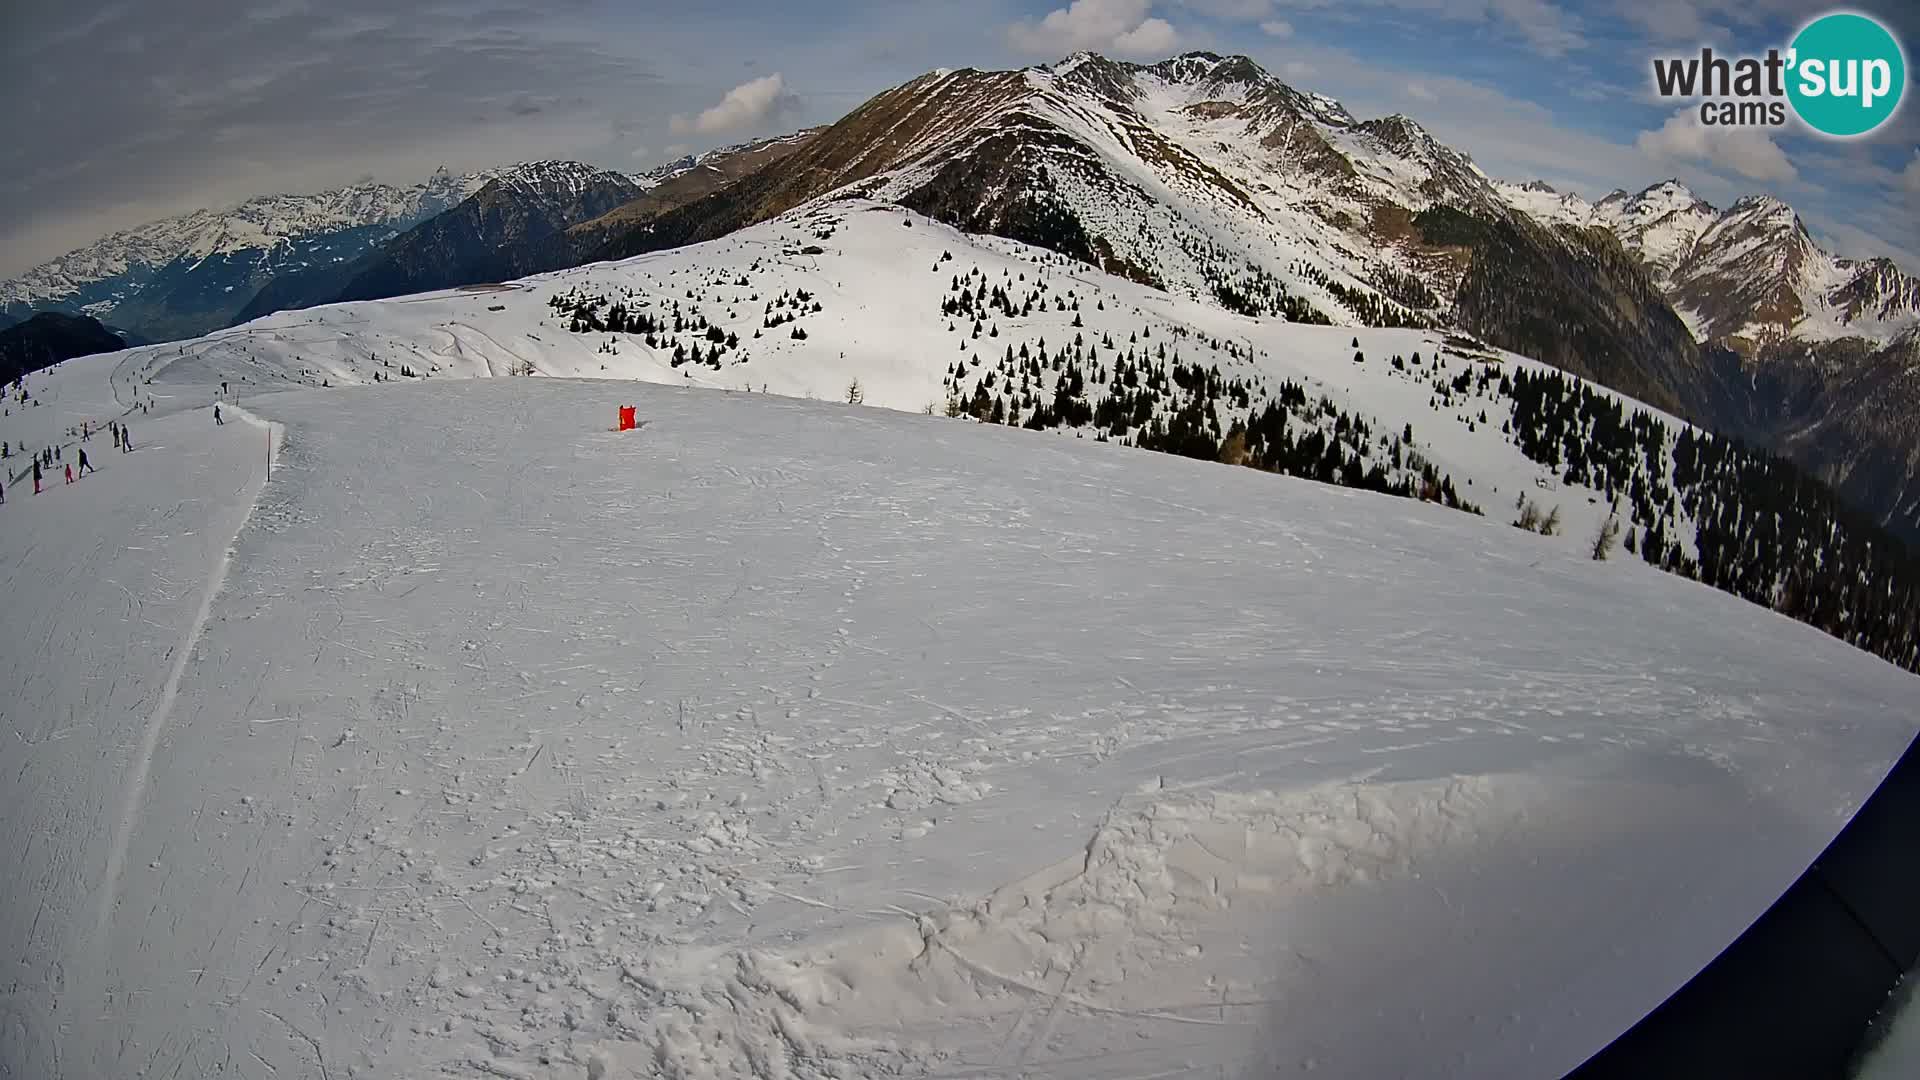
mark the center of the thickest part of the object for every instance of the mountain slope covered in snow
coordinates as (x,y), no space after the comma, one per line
(851,298)
(1815,351)
(1206,176)
(792,739)
(1750,275)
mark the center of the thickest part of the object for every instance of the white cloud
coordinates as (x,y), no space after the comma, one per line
(1854,242)
(1546,26)
(1676,20)
(1421,92)
(1910,176)
(1154,37)
(1299,69)
(1695,22)
(1747,151)
(640,153)
(1121,27)
(1242,10)
(1279,28)
(1551,31)
(746,105)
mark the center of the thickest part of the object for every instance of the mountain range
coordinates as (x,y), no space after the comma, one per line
(1202,176)
(188,274)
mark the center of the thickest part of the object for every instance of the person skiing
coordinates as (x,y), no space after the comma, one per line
(69,467)
(36,476)
(84,463)
(216,414)
(126,438)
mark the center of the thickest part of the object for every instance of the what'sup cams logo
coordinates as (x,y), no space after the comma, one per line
(1843,75)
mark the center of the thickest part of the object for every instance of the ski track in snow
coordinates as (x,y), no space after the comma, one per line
(798,740)
(105,581)
(156,722)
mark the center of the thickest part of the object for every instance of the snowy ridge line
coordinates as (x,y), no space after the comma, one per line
(156,723)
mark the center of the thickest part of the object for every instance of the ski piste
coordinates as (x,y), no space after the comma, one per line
(794,738)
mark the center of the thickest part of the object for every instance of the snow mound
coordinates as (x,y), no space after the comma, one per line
(1120,936)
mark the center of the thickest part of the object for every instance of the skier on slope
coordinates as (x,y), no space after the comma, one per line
(216,414)
(69,467)
(126,438)
(84,463)
(36,476)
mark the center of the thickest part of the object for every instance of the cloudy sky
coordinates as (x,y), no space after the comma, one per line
(123,112)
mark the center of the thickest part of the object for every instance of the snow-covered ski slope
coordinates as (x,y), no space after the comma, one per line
(794,739)
(880,275)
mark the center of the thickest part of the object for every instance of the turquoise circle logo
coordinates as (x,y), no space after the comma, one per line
(1847,74)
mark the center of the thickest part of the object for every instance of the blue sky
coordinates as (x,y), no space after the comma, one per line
(128,110)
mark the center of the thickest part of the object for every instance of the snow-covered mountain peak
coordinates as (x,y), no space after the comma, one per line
(1073,62)
(1545,203)
(1758,209)
(553,177)
(1658,200)
(260,224)
(1402,135)
(1212,70)
(1746,275)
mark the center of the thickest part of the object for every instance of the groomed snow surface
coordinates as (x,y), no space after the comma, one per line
(794,739)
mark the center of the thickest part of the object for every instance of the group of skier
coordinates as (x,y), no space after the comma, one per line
(46,459)
(81,465)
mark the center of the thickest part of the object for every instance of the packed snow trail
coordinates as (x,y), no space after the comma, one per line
(789,739)
(105,583)
(156,722)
